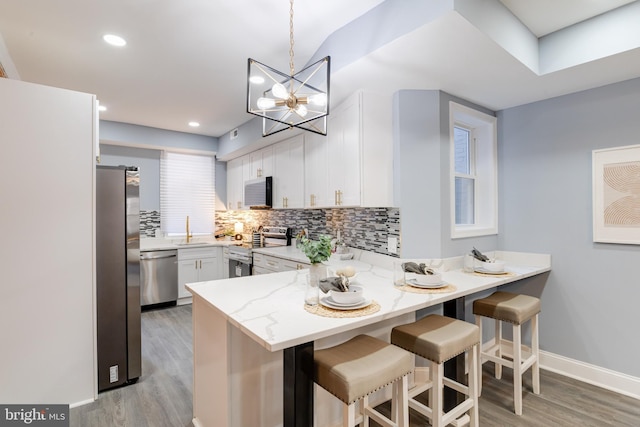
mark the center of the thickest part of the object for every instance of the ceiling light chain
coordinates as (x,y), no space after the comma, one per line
(291,65)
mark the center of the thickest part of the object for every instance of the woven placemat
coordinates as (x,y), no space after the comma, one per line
(444,289)
(504,274)
(321,310)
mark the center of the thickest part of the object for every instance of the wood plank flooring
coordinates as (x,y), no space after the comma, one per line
(162,397)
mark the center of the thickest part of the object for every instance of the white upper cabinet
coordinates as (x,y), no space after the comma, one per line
(316,174)
(343,164)
(258,164)
(288,174)
(235,185)
(352,166)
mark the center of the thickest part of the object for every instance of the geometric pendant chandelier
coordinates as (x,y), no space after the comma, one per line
(285,101)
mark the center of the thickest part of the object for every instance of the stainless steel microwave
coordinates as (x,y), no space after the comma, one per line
(258,193)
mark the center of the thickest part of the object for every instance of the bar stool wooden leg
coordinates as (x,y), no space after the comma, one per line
(517,369)
(479,325)
(535,349)
(498,338)
(474,382)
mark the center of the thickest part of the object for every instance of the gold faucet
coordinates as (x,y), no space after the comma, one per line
(188,233)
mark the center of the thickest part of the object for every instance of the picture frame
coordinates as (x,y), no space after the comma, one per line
(616,195)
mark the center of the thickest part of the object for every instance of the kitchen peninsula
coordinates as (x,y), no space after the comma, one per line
(248,333)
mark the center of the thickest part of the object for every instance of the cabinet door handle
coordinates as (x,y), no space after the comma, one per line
(340,197)
(335,197)
(196,262)
(200,264)
(313,200)
(259,172)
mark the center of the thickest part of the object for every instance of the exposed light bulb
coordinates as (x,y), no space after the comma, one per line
(319,99)
(265,103)
(258,80)
(301,110)
(114,40)
(279,91)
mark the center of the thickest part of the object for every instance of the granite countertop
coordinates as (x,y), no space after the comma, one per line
(270,307)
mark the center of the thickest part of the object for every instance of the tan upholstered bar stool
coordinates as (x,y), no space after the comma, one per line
(438,339)
(515,309)
(353,370)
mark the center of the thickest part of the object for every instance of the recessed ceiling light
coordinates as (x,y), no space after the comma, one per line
(114,40)
(194,124)
(102,108)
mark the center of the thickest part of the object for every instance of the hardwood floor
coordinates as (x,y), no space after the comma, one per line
(162,397)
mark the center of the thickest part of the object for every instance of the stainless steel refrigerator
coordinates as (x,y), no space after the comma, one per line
(118,275)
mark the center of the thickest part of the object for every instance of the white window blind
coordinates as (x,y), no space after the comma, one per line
(187,188)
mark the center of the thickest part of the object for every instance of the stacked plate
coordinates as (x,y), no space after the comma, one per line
(329,302)
(416,284)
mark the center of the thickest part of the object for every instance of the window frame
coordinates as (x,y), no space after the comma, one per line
(483,158)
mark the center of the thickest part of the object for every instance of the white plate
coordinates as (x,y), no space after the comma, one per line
(344,304)
(328,302)
(485,271)
(415,284)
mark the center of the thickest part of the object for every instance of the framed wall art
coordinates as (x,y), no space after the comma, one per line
(616,195)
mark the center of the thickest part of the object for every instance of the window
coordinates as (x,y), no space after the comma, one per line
(187,188)
(474,198)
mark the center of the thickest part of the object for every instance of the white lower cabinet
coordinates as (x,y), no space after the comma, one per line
(263,264)
(198,265)
(225,262)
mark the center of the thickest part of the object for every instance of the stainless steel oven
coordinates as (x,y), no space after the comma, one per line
(276,236)
(240,261)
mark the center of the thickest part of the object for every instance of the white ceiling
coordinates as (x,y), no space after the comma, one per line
(186,60)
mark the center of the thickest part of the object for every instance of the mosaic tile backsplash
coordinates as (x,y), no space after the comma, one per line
(149,223)
(362,228)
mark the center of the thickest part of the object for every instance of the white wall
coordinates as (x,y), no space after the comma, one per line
(47,224)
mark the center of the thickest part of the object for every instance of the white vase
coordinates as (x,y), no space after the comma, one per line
(317,271)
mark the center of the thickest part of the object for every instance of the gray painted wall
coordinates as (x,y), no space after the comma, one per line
(589,303)
(149,159)
(421,176)
(144,135)
(148,162)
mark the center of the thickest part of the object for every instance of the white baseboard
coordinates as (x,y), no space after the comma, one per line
(581,371)
(591,374)
(82,402)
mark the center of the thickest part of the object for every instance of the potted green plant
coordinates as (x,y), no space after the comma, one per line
(317,251)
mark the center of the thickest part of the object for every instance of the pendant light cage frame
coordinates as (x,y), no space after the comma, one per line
(305,105)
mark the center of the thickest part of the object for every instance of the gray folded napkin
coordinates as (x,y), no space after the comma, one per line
(340,283)
(412,267)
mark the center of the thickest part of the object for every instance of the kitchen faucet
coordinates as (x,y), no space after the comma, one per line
(188,233)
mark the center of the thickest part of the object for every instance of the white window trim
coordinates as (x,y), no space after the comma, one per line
(484,129)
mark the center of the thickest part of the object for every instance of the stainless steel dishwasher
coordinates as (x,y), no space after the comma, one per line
(158,277)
